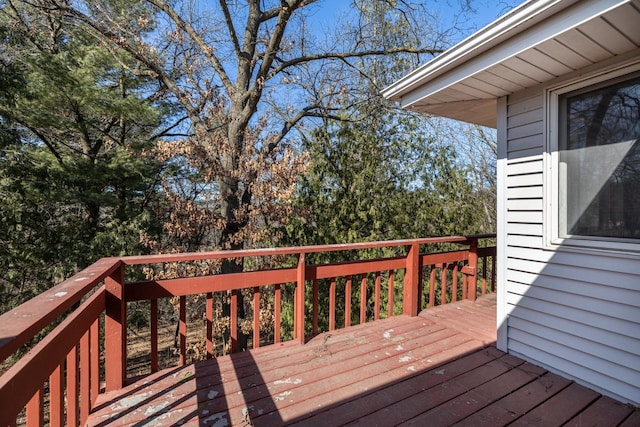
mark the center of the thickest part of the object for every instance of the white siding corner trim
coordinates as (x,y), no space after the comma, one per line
(502,315)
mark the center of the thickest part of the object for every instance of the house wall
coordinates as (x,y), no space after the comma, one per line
(573,311)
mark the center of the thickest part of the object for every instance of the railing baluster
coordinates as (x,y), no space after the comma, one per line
(94,335)
(182,326)
(256,317)
(332,304)
(376,304)
(35,416)
(473,269)
(315,307)
(391,291)
(454,283)
(276,326)
(443,284)
(209,324)
(420,293)
(363,299)
(493,273)
(85,371)
(233,323)
(465,283)
(484,275)
(153,327)
(56,397)
(295,313)
(432,285)
(72,387)
(347,302)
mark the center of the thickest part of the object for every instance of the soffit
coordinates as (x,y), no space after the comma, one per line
(561,38)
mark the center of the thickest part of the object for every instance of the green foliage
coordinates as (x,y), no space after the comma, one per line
(75,184)
(47,228)
(381,179)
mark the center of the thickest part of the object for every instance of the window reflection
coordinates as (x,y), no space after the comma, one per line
(600,162)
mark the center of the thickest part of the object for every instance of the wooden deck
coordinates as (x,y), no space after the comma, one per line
(440,368)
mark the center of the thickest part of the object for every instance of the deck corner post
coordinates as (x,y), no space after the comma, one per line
(115,330)
(472,282)
(299,299)
(411,281)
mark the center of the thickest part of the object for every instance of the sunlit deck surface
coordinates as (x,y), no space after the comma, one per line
(439,368)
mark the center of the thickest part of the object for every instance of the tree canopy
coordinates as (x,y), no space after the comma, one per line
(75,183)
(132,126)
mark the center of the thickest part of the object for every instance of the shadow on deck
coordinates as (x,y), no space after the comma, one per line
(439,368)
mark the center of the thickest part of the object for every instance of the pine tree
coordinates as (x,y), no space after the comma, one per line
(74,180)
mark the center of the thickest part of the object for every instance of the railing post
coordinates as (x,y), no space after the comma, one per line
(472,269)
(115,330)
(299,299)
(411,281)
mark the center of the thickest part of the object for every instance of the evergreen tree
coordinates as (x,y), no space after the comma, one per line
(382,178)
(74,182)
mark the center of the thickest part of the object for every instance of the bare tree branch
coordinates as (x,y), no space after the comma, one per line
(195,36)
(346,55)
(232,30)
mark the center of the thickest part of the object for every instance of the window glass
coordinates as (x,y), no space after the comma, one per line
(599,162)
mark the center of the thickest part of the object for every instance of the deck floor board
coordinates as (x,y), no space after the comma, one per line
(438,368)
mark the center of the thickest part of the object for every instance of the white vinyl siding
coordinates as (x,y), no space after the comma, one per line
(574,312)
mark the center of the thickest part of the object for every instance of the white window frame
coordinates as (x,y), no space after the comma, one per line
(552,194)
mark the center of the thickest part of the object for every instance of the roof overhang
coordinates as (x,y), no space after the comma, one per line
(536,42)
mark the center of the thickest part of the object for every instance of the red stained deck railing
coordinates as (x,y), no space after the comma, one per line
(86,352)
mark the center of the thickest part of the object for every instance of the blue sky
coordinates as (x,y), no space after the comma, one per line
(482,12)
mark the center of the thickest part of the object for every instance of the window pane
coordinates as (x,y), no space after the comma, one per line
(600,162)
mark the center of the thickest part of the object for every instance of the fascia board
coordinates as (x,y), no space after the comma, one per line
(475,44)
(517,31)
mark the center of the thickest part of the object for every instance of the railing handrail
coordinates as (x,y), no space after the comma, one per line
(293,250)
(38,363)
(19,325)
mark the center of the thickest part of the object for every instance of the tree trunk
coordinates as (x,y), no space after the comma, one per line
(230,206)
